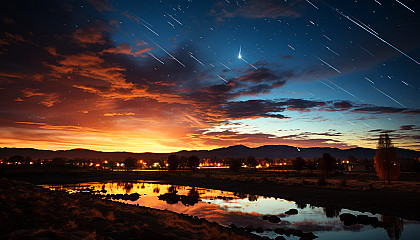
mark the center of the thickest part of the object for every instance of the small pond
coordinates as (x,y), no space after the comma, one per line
(244,210)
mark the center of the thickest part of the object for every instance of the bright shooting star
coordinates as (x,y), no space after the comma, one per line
(328,64)
(170,55)
(330,49)
(405,6)
(222,78)
(240,57)
(378,2)
(375,35)
(388,96)
(153,56)
(313,5)
(191,55)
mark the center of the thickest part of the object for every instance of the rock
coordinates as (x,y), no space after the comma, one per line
(298,233)
(233,226)
(279,230)
(259,230)
(273,219)
(249,228)
(289,232)
(380,224)
(280,238)
(366,220)
(291,212)
(348,219)
(308,235)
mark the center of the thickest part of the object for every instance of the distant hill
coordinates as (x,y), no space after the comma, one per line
(269,151)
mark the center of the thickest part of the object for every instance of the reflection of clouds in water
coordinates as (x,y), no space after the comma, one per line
(243,210)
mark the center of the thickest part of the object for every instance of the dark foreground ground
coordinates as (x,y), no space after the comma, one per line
(30,212)
(400,199)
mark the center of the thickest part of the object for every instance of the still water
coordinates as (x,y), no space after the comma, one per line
(243,210)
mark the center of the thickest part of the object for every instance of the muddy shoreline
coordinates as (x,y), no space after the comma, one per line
(388,202)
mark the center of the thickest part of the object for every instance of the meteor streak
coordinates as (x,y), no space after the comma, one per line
(388,96)
(149,29)
(330,49)
(173,18)
(369,80)
(341,88)
(374,34)
(191,55)
(364,49)
(224,65)
(405,6)
(153,56)
(328,64)
(312,4)
(170,55)
(222,78)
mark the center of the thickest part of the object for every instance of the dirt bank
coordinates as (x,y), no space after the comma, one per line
(31,212)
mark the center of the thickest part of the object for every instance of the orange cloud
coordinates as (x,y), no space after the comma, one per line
(89,35)
(47,99)
(118,114)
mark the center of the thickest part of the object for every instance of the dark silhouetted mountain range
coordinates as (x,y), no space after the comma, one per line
(269,151)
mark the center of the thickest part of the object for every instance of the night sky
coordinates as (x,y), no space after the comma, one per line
(161,76)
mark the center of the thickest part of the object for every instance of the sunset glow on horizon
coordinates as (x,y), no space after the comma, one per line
(165,76)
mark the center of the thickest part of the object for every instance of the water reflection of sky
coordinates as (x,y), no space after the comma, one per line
(244,210)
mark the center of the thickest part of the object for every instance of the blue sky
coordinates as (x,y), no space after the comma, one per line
(165,75)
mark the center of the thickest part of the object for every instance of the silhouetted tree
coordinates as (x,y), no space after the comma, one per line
(298,163)
(386,161)
(193,162)
(128,186)
(252,197)
(331,212)
(235,164)
(251,161)
(130,163)
(16,158)
(172,189)
(173,162)
(182,162)
(59,161)
(395,226)
(327,163)
(27,160)
(301,205)
(352,159)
